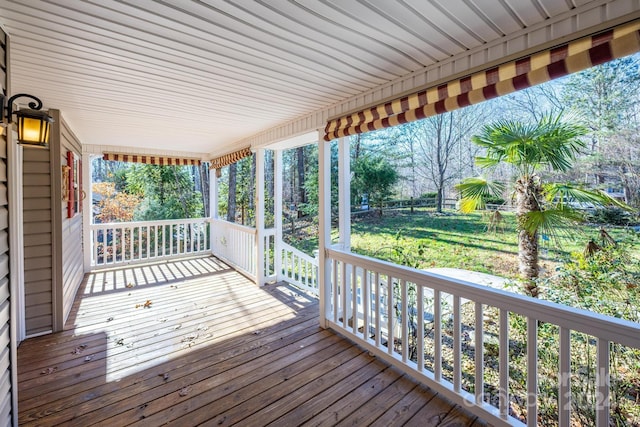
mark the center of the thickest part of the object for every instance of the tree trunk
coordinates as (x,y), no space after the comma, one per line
(300,169)
(205,176)
(439,199)
(528,192)
(231,201)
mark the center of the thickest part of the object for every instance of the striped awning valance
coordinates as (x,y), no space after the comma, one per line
(151,160)
(525,72)
(227,159)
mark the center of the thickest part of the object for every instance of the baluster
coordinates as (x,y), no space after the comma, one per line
(131,238)
(155,241)
(343,282)
(164,240)
(564,378)
(335,287)
(96,249)
(602,383)
(390,315)
(457,345)
(532,372)
(404,316)
(191,235)
(366,298)
(354,299)
(479,354)
(376,285)
(420,326)
(437,335)
(504,363)
(149,233)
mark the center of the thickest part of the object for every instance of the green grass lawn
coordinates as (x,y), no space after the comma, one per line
(426,239)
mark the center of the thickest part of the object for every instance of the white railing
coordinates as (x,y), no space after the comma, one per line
(384,306)
(299,268)
(235,244)
(269,251)
(143,241)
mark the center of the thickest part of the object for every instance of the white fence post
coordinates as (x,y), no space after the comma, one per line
(259,211)
(277,213)
(324,226)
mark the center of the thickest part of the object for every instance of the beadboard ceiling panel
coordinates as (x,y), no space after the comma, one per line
(200,75)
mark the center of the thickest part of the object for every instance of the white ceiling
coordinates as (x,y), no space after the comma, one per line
(198,75)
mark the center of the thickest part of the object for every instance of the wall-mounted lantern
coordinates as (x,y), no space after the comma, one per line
(34,125)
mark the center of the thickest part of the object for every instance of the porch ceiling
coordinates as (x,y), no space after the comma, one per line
(199,75)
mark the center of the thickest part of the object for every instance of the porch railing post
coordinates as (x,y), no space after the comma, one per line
(87,211)
(213,205)
(344,194)
(260,244)
(277,213)
(324,225)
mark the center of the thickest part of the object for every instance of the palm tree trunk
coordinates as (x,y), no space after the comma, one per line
(528,194)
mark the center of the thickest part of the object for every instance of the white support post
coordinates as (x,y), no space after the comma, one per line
(213,205)
(277,213)
(259,210)
(87,210)
(16,239)
(344,194)
(324,225)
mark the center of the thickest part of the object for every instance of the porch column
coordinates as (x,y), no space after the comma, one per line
(324,226)
(277,212)
(213,205)
(344,194)
(87,209)
(259,211)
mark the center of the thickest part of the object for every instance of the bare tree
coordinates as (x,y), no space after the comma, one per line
(442,148)
(231,204)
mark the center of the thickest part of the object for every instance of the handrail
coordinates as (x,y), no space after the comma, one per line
(233,225)
(101,225)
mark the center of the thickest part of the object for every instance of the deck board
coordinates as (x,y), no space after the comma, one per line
(212,349)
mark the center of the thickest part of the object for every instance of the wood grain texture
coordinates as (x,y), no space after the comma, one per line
(211,349)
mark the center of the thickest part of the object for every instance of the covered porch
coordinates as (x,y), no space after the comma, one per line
(194,342)
(155,335)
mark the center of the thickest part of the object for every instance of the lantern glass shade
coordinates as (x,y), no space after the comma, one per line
(34,127)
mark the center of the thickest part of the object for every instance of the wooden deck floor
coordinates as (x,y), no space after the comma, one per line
(195,343)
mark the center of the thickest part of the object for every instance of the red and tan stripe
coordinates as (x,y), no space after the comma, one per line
(523,73)
(615,48)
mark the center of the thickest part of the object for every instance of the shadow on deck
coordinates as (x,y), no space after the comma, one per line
(193,342)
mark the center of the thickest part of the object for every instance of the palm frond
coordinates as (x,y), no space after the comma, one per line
(568,195)
(474,191)
(552,222)
(551,141)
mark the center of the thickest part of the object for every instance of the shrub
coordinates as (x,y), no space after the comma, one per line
(610,215)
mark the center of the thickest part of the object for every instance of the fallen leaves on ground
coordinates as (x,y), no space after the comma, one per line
(147,304)
(79,349)
(186,390)
(49,371)
(130,285)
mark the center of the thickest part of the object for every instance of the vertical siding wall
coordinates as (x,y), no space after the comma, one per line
(5,304)
(38,273)
(52,242)
(71,272)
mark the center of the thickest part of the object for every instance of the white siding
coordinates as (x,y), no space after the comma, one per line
(6,389)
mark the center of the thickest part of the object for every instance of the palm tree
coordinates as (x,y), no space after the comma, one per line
(540,208)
